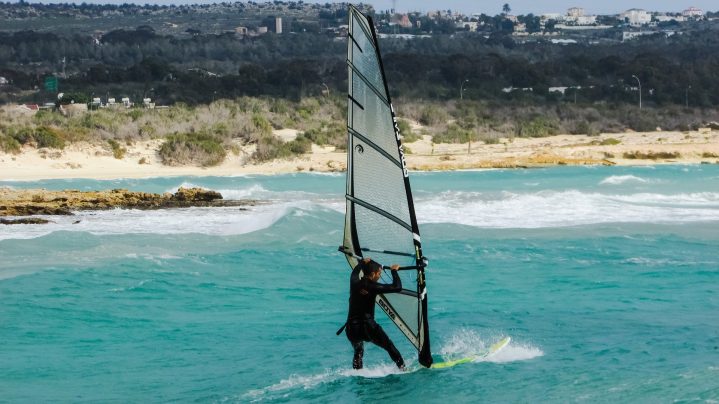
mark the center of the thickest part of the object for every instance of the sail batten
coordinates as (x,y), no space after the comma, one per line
(380,218)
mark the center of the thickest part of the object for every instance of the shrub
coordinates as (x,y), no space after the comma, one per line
(585,128)
(432,115)
(538,126)
(49,137)
(9,144)
(117,150)
(610,142)
(709,155)
(261,124)
(134,114)
(453,134)
(271,147)
(406,131)
(651,155)
(192,148)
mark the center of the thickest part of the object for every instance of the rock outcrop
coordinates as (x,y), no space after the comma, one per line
(28,202)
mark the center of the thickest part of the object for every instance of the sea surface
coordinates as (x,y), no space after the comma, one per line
(605,278)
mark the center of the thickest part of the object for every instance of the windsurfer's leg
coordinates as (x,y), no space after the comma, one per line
(380,338)
(359,352)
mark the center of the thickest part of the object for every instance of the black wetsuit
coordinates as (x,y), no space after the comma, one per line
(360,320)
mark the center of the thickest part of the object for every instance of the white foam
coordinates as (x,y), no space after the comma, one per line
(328,376)
(467,343)
(210,221)
(514,352)
(622,179)
(564,208)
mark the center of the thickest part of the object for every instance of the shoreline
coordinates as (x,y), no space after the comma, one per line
(90,161)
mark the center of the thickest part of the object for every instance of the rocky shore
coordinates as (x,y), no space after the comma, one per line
(28,202)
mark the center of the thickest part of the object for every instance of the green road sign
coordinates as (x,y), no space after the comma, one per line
(51,83)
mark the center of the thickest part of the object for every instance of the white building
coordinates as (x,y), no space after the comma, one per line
(693,12)
(278,25)
(551,16)
(470,26)
(636,17)
(575,12)
(667,18)
(576,16)
(4,81)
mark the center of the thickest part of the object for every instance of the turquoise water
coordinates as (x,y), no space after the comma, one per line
(606,279)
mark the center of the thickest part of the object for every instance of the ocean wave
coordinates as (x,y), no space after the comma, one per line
(622,179)
(209,221)
(564,208)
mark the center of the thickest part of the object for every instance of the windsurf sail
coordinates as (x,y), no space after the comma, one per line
(380,221)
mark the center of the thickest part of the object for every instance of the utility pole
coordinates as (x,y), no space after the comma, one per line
(686,96)
(461,89)
(640,91)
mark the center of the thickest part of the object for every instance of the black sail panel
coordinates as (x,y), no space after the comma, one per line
(380,220)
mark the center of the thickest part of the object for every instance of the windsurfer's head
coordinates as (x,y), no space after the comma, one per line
(372,270)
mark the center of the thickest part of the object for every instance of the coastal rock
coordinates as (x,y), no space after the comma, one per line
(43,202)
(28,220)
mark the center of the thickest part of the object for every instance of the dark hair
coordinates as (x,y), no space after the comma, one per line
(371,267)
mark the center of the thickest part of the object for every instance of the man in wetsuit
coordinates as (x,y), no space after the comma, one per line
(360,320)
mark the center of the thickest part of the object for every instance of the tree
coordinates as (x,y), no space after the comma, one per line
(506,9)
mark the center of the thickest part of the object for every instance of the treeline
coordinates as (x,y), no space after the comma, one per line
(676,70)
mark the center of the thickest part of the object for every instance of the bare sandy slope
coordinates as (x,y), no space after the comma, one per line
(84,160)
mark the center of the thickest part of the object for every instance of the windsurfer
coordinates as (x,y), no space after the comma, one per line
(361,325)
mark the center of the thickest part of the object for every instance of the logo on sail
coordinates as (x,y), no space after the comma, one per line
(399,141)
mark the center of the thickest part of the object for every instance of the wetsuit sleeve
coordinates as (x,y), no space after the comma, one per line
(395,286)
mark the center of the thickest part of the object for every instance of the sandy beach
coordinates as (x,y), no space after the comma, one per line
(84,160)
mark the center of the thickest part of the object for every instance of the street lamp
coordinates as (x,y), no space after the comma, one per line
(326,89)
(640,91)
(461,89)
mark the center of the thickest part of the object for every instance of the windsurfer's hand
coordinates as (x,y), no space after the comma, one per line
(394,267)
(366,260)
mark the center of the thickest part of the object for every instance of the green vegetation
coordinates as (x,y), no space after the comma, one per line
(710,155)
(651,155)
(610,141)
(192,148)
(537,126)
(270,147)
(117,151)
(40,136)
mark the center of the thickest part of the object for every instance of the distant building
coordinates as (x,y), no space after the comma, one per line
(575,12)
(636,17)
(667,18)
(241,30)
(693,12)
(470,26)
(261,30)
(552,16)
(4,81)
(576,16)
(278,25)
(404,21)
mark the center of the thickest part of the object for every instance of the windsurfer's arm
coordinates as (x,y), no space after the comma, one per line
(395,286)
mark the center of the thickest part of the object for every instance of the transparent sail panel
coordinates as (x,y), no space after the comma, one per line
(379,182)
(377,233)
(364,56)
(407,305)
(372,118)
